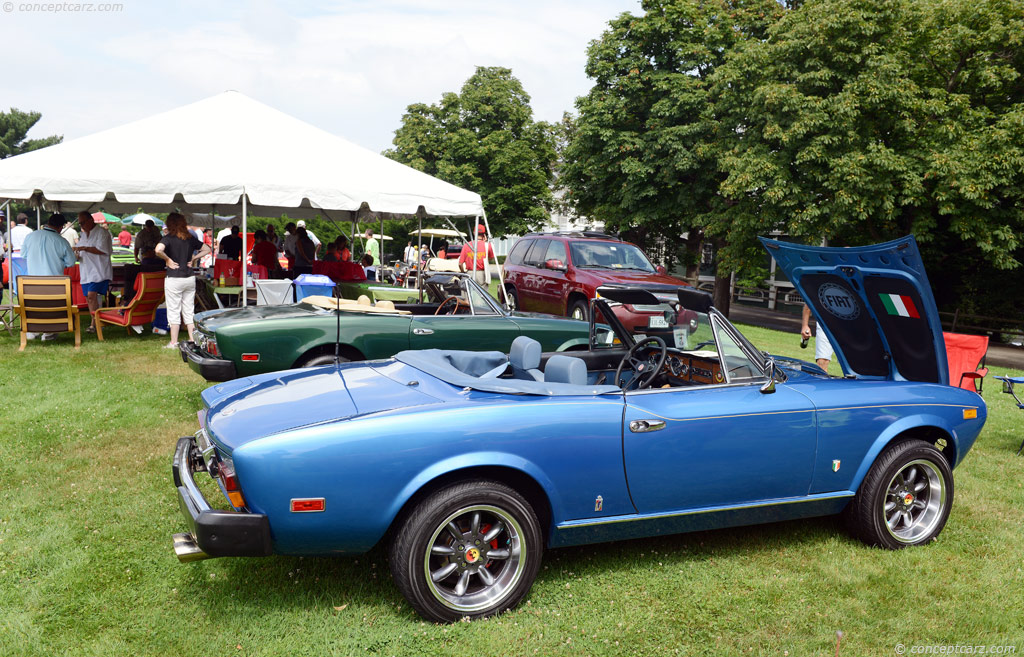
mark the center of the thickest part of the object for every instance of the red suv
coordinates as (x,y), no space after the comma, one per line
(558,273)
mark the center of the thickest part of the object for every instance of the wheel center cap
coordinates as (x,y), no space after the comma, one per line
(908,499)
(472,555)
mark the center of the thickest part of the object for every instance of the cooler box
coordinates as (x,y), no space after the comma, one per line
(308,285)
(160,319)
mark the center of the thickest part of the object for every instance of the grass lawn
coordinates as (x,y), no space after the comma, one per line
(87,509)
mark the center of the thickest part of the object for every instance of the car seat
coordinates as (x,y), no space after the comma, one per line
(565,369)
(524,357)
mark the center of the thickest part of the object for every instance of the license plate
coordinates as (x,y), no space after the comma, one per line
(657,321)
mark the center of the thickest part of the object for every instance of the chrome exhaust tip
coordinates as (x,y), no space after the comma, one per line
(186,550)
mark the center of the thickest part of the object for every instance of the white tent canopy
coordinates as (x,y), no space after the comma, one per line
(208,155)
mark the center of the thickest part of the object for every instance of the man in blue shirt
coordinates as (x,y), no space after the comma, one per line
(47,254)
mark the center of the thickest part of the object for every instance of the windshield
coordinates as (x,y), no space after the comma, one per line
(705,338)
(609,255)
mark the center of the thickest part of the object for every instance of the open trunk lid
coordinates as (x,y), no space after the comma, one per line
(875,305)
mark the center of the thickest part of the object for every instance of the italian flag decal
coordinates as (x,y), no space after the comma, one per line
(899,304)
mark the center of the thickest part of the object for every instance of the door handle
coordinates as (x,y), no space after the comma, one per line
(643,426)
(422,331)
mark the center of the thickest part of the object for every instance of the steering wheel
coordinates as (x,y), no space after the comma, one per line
(643,371)
(455,302)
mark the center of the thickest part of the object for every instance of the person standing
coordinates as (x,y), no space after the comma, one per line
(179,249)
(473,257)
(94,248)
(288,243)
(264,253)
(47,254)
(305,252)
(124,238)
(310,235)
(822,347)
(372,246)
(231,245)
(272,236)
(19,233)
(69,233)
(145,247)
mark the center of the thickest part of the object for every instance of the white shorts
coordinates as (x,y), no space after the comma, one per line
(822,347)
(180,293)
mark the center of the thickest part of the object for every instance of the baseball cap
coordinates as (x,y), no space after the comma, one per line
(481,228)
(301,223)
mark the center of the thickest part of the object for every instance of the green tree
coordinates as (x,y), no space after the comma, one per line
(484,139)
(14,127)
(645,146)
(864,120)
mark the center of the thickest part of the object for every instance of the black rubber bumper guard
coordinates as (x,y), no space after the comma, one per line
(211,369)
(215,533)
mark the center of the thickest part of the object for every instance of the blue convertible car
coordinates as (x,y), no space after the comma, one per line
(467,464)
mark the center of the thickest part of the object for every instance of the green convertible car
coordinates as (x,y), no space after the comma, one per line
(456,313)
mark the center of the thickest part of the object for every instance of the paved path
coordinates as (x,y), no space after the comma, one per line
(999,355)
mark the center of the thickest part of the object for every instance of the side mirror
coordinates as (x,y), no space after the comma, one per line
(661,269)
(772,371)
(557,265)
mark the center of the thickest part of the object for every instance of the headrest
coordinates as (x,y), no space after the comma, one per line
(363,300)
(525,353)
(385,303)
(565,369)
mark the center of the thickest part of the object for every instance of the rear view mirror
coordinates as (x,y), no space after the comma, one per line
(556,265)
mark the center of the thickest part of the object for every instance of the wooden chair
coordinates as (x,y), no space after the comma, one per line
(149,293)
(966,358)
(44,305)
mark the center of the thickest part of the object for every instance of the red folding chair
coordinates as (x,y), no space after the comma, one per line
(966,357)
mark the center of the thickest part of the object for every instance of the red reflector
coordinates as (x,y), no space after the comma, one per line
(307,504)
(251,357)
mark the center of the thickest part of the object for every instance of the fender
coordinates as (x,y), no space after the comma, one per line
(479,459)
(895,429)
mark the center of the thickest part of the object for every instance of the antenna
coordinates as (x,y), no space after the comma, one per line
(337,336)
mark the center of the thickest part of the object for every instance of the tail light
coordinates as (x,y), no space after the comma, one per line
(226,474)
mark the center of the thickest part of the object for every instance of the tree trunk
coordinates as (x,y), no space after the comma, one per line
(694,247)
(722,298)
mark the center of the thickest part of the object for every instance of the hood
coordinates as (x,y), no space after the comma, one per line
(875,305)
(246,409)
(214,319)
(641,279)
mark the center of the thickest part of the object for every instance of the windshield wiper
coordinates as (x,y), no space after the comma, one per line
(598,267)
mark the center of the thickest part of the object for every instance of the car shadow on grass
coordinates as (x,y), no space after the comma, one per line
(362,585)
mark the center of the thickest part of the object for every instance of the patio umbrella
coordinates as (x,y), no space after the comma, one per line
(141,219)
(104,218)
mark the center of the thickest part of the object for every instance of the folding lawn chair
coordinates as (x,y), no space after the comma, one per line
(44,305)
(966,357)
(1008,382)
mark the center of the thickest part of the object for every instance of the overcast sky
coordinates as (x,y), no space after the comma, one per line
(350,67)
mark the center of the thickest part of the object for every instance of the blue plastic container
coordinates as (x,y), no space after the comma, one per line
(308,285)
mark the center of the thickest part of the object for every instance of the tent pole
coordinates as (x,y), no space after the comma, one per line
(7,243)
(419,254)
(245,222)
(380,249)
(497,267)
(39,216)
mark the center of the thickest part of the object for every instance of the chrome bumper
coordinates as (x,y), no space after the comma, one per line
(212,533)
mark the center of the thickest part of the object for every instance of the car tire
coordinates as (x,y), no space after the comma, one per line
(322,359)
(905,499)
(447,577)
(579,309)
(511,297)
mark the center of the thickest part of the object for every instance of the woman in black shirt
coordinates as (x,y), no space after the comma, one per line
(179,249)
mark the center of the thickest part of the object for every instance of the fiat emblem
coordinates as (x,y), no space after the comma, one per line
(908,499)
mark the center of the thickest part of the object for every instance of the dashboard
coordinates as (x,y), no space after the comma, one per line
(694,367)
